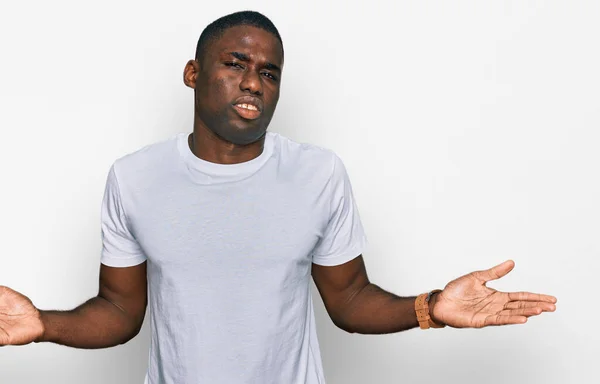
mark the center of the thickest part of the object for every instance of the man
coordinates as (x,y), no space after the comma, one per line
(221,230)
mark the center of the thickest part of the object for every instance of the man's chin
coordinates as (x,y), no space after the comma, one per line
(242,134)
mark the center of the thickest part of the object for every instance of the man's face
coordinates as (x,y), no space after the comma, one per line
(237,83)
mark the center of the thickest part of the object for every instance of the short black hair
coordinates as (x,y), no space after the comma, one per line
(216,29)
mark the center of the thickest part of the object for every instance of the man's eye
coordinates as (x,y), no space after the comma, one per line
(235,65)
(270,76)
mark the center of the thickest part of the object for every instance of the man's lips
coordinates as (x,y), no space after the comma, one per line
(249,100)
(248,107)
(245,113)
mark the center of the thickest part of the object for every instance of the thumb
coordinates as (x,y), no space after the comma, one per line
(496,272)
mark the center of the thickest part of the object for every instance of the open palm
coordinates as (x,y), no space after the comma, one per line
(468,302)
(20,321)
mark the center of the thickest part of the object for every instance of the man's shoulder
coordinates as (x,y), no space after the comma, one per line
(149,159)
(305,152)
(304,160)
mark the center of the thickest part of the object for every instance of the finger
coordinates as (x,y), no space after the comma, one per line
(528,296)
(527,312)
(545,306)
(504,320)
(496,272)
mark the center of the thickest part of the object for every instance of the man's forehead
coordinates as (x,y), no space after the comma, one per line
(248,32)
(250,40)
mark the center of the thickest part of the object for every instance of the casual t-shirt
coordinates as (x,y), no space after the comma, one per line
(229,251)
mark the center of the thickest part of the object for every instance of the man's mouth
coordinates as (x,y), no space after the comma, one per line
(247,111)
(248,107)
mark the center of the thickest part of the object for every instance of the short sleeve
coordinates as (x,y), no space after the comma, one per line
(119,247)
(344,237)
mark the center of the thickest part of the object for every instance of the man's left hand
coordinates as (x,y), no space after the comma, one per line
(468,302)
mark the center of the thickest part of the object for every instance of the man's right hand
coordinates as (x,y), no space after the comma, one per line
(111,318)
(20,320)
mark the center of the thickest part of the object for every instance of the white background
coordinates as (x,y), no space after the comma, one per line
(470,130)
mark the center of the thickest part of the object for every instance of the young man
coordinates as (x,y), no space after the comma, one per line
(224,227)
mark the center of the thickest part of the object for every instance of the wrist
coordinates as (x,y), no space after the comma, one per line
(424,308)
(42,337)
(432,312)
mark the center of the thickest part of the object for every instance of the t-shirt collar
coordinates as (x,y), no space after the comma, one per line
(222,172)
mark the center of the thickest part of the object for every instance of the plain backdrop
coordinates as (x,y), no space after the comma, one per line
(470,130)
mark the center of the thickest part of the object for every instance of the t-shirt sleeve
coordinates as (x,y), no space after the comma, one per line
(119,247)
(344,237)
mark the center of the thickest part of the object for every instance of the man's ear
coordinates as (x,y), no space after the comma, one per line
(190,73)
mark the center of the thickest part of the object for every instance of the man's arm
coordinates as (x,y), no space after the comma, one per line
(356,305)
(111,318)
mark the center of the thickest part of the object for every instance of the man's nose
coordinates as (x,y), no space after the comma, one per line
(251,83)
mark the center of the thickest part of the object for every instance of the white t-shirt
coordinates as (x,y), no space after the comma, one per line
(229,251)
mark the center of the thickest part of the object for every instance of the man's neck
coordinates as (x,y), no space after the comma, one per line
(208,146)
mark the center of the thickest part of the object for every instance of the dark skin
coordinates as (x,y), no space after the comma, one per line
(236,86)
(244,62)
(111,318)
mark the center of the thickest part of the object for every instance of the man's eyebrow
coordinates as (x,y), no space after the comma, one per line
(243,57)
(272,67)
(240,56)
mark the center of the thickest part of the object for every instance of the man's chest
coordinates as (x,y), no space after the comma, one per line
(237,228)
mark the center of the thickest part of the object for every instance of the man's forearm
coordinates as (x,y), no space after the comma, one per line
(376,311)
(95,324)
